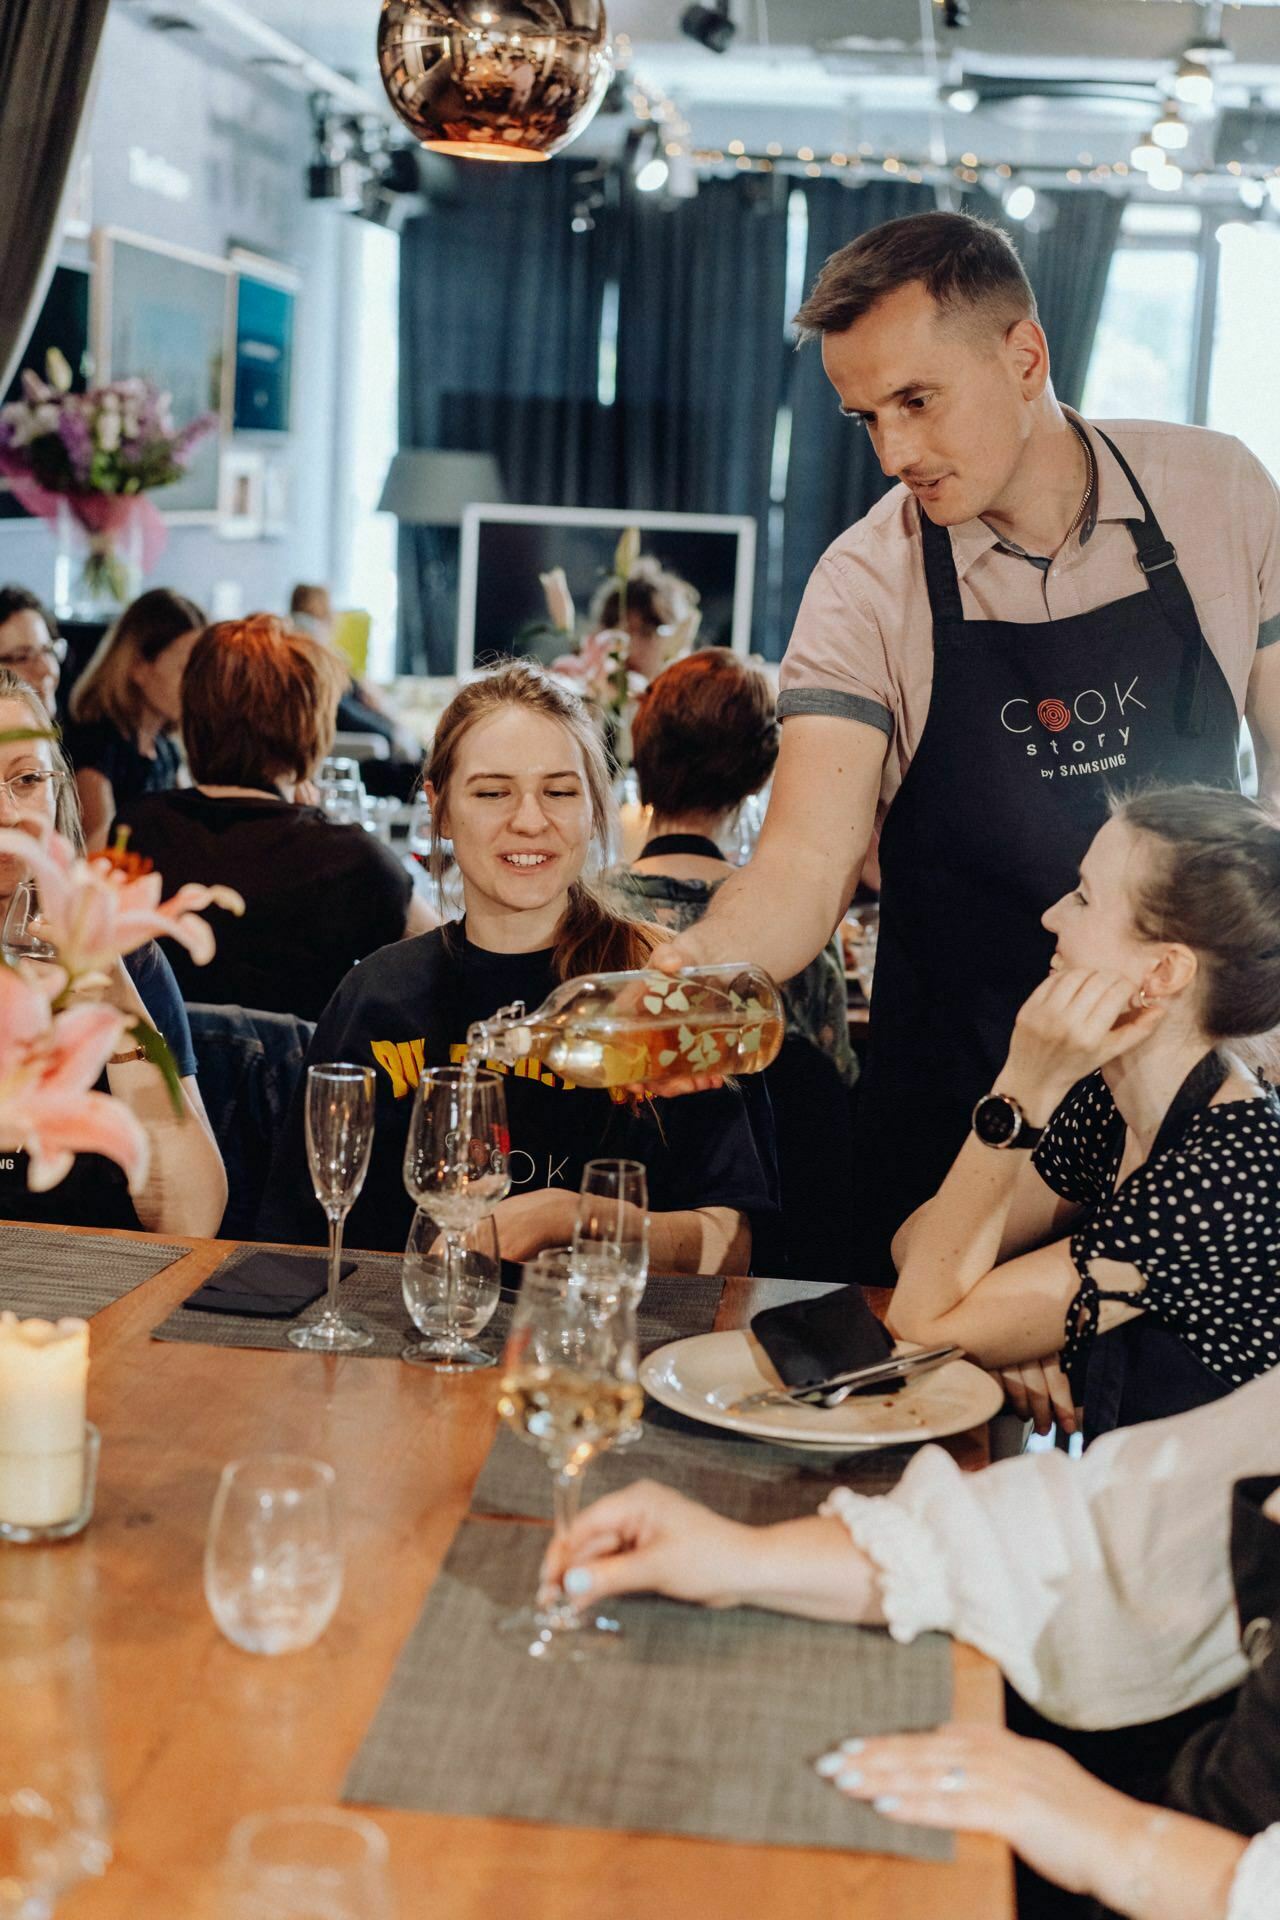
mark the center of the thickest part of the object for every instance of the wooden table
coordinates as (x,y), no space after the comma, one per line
(199,1733)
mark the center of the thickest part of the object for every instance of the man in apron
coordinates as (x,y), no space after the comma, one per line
(1040,615)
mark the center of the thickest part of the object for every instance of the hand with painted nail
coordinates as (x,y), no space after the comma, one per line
(1064,1823)
(648,1539)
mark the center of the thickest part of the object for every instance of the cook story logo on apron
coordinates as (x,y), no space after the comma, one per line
(1090,733)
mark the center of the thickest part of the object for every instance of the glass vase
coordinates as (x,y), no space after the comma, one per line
(98,568)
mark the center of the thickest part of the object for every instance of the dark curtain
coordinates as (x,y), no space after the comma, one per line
(500,352)
(47,56)
(833,476)
(1067,263)
(499,347)
(701,353)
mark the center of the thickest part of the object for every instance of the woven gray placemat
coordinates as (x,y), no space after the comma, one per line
(674,1305)
(52,1274)
(748,1480)
(702,1723)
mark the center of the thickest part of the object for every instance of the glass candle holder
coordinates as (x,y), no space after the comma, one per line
(48,1496)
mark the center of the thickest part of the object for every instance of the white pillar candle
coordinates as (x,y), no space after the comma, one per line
(44,1370)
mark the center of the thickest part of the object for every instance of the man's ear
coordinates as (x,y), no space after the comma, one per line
(1028,349)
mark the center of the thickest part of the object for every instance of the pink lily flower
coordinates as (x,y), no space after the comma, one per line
(93,913)
(48,1066)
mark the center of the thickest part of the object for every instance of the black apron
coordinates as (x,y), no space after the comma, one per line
(1141,1370)
(1031,726)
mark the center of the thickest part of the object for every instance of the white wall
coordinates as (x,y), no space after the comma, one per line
(243,144)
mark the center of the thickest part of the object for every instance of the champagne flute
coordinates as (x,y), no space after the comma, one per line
(456,1169)
(569,1387)
(450,1315)
(339,1121)
(611,1232)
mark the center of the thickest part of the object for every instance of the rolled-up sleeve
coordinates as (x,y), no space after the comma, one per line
(836,662)
(1101,1586)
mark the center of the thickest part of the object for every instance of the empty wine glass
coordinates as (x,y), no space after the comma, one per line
(611,1234)
(341,788)
(307,1863)
(450,1310)
(612,1220)
(339,1121)
(54,1818)
(419,841)
(272,1559)
(456,1168)
(569,1387)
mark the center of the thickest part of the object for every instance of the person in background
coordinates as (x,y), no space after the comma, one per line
(30,645)
(186,1187)
(258,705)
(704,739)
(361,708)
(656,609)
(1128,1594)
(1117,1202)
(126,708)
(518,785)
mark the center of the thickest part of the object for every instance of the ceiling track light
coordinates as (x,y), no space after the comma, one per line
(1171,131)
(1193,83)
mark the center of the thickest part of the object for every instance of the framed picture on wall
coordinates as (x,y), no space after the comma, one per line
(241,494)
(263,389)
(165,313)
(63,322)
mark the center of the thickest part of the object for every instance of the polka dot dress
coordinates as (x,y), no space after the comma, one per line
(1200,1222)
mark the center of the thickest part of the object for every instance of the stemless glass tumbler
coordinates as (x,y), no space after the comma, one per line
(272,1558)
(307,1863)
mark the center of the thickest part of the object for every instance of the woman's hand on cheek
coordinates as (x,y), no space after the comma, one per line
(1072,1024)
(529,1222)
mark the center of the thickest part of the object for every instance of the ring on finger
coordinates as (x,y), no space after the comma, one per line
(953,1780)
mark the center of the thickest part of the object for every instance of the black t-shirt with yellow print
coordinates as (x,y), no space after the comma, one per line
(410,1005)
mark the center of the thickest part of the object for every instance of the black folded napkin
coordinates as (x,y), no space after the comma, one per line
(267,1286)
(809,1340)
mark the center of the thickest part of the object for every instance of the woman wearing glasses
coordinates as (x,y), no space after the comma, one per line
(186,1187)
(29,643)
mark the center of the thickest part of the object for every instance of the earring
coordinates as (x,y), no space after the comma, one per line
(1144,998)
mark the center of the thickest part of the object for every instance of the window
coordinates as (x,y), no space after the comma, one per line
(1244,397)
(1143,364)
(364,540)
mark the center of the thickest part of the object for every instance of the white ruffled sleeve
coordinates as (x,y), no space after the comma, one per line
(1100,1586)
(1255,1890)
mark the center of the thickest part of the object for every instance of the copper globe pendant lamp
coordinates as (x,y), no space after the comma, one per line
(494,79)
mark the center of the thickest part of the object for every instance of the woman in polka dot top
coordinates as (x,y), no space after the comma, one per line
(1109,1235)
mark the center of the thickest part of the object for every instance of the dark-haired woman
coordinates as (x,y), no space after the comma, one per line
(1118,1200)
(704,739)
(126,706)
(519,786)
(29,643)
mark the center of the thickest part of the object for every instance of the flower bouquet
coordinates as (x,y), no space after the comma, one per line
(89,459)
(55,1039)
(597,666)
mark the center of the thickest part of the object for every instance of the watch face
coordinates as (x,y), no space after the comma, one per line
(995,1120)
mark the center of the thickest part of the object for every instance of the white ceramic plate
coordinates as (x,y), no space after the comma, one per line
(703,1377)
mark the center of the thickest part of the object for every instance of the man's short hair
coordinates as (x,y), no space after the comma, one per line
(962,262)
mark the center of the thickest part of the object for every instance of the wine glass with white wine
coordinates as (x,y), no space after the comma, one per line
(570,1388)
